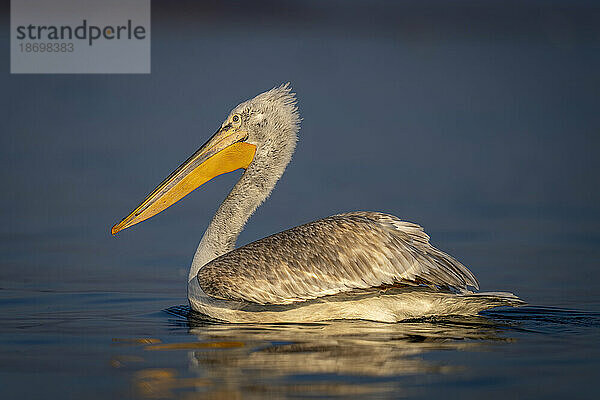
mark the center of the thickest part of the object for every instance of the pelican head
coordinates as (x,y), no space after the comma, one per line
(259,135)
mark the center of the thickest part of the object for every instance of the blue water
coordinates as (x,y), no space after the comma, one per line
(479,122)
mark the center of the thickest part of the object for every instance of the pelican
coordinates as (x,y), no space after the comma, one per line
(357,265)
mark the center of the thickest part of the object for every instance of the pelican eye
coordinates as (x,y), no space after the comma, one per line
(236,119)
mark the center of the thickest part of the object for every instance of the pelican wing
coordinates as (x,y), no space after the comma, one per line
(337,254)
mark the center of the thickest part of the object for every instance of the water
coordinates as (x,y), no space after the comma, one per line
(479,123)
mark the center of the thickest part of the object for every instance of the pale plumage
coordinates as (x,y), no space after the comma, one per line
(359,265)
(356,250)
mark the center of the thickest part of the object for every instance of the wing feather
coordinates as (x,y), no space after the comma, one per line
(340,253)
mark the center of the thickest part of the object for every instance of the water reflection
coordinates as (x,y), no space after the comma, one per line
(339,358)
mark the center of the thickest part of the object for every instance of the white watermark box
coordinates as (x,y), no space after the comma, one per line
(79,36)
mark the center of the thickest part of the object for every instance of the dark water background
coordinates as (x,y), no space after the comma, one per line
(477,120)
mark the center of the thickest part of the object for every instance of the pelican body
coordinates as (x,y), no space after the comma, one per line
(357,265)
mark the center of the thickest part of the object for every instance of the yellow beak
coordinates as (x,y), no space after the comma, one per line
(224,152)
